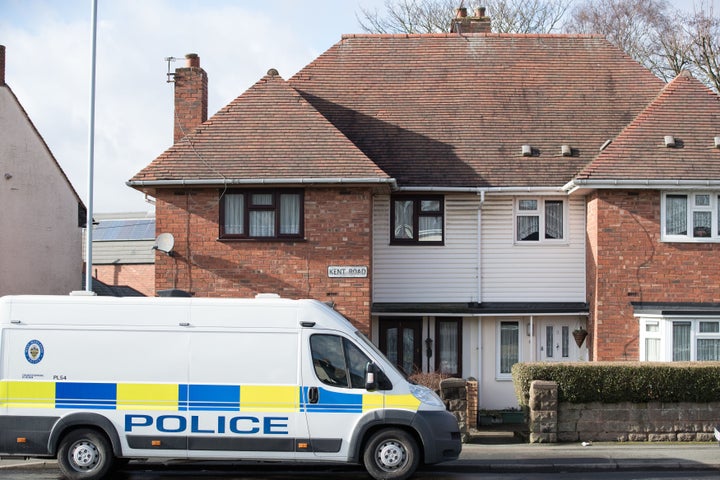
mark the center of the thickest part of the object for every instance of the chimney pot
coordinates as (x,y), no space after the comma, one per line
(480,12)
(461,12)
(192,60)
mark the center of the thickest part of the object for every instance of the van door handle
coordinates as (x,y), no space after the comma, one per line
(313,395)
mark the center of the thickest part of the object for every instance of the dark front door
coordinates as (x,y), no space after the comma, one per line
(401,342)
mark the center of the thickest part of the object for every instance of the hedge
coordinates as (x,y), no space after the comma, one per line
(613,382)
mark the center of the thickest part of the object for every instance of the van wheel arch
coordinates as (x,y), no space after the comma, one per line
(91,421)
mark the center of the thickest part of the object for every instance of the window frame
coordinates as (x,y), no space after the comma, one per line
(540,212)
(664,334)
(275,207)
(692,207)
(499,374)
(417,214)
(458,348)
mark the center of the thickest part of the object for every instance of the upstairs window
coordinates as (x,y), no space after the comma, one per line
(417,220)
(691,217)
(539,220)
(261,214)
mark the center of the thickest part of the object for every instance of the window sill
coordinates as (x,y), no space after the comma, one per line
(262,240)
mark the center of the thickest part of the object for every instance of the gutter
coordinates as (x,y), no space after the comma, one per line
(676,184)
(261,181)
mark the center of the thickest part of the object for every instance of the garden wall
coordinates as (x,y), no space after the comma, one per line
(552,421)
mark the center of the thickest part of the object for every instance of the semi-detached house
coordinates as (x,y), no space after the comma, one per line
(468,200)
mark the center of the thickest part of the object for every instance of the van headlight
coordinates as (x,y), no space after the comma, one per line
(426,396)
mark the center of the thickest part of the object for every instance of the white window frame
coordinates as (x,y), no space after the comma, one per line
(665,334)
(692,207)
(502,376)
(540,213)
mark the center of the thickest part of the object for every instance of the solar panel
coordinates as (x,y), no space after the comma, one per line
(114,230)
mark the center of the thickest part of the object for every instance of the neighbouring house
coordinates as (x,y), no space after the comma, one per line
(469,200)
(123,254)
(42,215)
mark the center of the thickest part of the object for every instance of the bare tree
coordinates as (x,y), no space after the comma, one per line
(702,32)
(638,27)
(434,16)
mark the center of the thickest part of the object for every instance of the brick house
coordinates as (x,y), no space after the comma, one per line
(456,197)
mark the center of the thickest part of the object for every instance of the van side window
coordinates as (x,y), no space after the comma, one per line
(338,362)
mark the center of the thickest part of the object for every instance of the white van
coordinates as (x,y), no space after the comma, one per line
(91,380)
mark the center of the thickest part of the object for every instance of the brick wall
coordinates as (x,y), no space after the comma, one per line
(337,232)
(141,277)
(628,263)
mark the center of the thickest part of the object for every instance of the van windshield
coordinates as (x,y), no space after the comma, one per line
(366,341)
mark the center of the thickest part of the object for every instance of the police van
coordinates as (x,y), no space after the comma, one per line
(95,381)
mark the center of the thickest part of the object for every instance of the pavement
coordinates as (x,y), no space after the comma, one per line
(558,457)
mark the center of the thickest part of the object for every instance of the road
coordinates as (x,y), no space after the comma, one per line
(284,473)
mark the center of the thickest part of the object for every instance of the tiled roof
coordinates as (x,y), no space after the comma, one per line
(269,132)
(686,110)
(454,110)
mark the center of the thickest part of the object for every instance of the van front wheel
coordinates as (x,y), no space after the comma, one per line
(84,454)
(391,455)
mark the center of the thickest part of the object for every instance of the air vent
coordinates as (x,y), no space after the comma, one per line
(669,141)
(717,142)
(566,150)
(526,151)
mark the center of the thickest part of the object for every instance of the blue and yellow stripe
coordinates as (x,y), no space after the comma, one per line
(192,397)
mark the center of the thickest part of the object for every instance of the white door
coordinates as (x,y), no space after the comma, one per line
(556,342)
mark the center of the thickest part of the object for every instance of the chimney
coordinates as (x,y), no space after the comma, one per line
(191,97)
(2,65)
(478,23)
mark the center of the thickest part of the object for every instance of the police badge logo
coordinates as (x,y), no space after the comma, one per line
(34,351)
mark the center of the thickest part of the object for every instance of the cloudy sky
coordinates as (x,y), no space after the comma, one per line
(48,68)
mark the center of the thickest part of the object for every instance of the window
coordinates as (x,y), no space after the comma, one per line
(261,214)
(680,340)
(509,348)
(691,217)
(338,362)
(448,346)
(417,220)
(539,220)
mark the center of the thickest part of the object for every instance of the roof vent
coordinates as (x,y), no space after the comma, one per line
(566,150)
(526,150)
(669,141)
(717,142)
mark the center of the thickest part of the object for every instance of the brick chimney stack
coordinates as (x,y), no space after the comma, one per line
(2,65)
(191,97)
(478,23)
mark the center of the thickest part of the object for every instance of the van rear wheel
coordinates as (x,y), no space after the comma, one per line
(391,454)
(85,454)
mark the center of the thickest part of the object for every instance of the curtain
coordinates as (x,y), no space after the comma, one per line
(652,349)
(403,227)
(447,347)
(681,341)
(509,345)
(528,227)
(289,214)
(676,214)
(430,229)
(554,219)
(708,349)
(262,223)
(234,214)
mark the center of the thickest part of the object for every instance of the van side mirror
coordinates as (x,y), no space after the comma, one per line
(371,375)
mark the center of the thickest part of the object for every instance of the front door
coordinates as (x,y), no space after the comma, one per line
(556,343)
(401,342)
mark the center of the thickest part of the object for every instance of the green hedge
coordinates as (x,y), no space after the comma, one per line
(612,382)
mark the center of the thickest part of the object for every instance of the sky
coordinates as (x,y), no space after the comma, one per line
(48,65)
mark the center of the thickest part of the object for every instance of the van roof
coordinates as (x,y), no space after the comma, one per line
(265,311)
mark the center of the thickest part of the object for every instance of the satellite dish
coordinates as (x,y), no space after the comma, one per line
(165,243)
